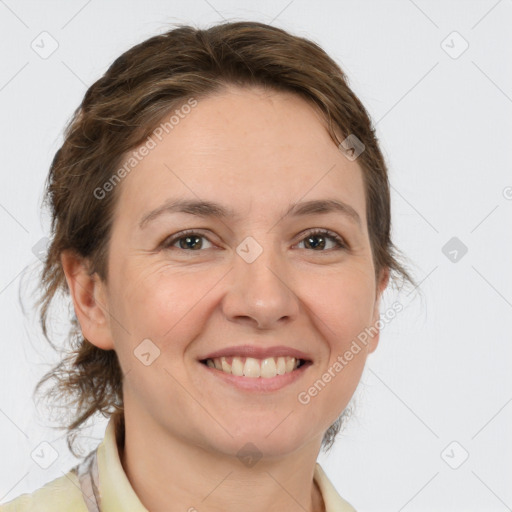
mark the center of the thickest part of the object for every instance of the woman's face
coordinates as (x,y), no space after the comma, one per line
(250,273)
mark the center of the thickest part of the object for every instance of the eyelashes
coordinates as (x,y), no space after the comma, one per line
(339,243)
(191,239)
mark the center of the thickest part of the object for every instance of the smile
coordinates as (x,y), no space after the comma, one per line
(251,367)
(255,375)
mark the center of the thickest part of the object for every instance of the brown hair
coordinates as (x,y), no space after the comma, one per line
(121,109)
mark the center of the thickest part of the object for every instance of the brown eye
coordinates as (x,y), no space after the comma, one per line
(187,241)
(318,240)
(190,242)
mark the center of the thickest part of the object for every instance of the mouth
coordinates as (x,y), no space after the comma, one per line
(252,375)
(254,368)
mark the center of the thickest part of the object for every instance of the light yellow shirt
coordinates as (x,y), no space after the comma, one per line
(99,484)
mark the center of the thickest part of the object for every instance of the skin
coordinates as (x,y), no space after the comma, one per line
(183,426)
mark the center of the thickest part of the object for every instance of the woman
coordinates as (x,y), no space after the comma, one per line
(221,222)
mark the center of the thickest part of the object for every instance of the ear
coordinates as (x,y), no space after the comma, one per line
(381,286)
(89,300)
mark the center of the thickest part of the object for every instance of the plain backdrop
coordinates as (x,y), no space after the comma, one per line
(432,428)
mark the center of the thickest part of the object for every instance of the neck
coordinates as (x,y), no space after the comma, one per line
(170,474)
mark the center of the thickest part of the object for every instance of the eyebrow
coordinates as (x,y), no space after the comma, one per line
(202,208)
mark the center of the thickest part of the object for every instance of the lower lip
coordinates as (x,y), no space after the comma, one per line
(259,384)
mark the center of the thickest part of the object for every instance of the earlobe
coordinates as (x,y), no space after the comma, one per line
(89,300)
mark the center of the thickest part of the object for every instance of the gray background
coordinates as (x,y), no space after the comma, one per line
(439,387)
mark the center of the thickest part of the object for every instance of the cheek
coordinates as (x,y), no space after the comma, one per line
(166,308)
(344,304)
(342,311)
(164,305)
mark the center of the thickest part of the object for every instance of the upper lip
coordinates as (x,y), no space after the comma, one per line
(257,352)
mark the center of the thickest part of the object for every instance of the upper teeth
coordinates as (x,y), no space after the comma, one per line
(251,367)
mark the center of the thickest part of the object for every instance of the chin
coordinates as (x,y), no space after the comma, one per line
(275,441)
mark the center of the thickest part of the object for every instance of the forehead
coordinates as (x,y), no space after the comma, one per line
(244,145)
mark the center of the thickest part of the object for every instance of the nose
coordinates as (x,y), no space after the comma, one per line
(260,293)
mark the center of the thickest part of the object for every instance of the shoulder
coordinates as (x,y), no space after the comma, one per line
(60,495)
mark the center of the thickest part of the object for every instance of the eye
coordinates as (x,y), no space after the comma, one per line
(318,239)
(186,240)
